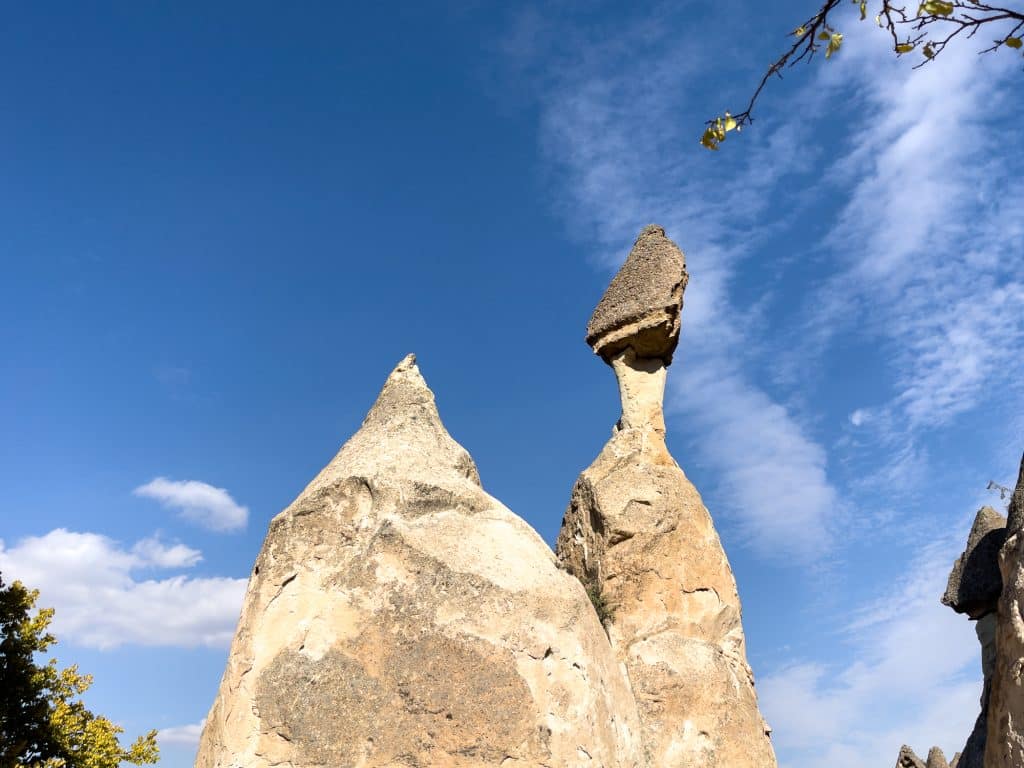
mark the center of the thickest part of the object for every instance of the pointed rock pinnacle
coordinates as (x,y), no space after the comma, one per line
(642,305)
(398,614)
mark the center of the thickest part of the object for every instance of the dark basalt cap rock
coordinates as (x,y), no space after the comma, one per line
(641,307)
(975,582)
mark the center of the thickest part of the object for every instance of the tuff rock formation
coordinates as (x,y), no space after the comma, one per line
(907,759)
(936,759)
(398,615)
(974,588)
(1005,745)
(637,534)
(975,582)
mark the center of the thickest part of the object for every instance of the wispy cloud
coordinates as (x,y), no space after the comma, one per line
(777,475)
(153,552)
(611,128)
(931,238)
(100,603)
(198,502)
(181,735)
(914,680)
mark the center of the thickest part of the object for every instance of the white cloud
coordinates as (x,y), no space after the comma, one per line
(859,417)
(914,679)
(154,552)
(199,502)
(931,238)
(90,580)
(181,735)
(774,474)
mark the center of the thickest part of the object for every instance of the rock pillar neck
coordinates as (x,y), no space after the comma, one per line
(641,390)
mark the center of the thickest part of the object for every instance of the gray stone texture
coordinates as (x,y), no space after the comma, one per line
(1005,741)
(642,305)
(975,583)
(936,759)
(907,759)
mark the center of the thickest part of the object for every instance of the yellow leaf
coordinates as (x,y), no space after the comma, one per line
(709,139)
(835,40)
(730,122)
(1013,42)
(878,20)
(928,51)
(904,48)
(936,8)
(863,9)
(823,35)
(799,31)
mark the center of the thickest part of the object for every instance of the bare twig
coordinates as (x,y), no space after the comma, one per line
(934,25)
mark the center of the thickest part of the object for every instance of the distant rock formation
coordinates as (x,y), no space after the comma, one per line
(398,615)
(975,582)
(936,759)
(637,534)
(1005,744)
(987,584)
(907,759)
(974,588)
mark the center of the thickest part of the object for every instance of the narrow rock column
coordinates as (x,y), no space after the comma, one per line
(638,536)
(973,589)
(1005,746)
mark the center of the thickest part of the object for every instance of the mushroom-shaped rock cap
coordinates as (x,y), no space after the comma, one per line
(975,582)
(642,305)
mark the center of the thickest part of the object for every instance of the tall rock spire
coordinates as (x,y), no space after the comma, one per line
(398,615)
(1004,746)
(637,534)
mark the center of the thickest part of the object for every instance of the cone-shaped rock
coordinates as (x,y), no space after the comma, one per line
(936,759)
(637,534)
(1004,747)
(398,615)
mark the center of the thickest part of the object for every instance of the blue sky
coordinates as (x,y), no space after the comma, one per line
(220,228)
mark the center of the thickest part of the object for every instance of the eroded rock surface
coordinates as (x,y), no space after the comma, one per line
(936,759)
(1005,747)
(907,759)
(973,588)
(638,535)
(975,582)
(398,615)
(642,305)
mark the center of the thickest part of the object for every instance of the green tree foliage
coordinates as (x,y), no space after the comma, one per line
(43,722)
(926,33)
(605,610)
